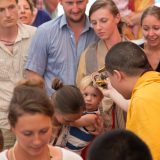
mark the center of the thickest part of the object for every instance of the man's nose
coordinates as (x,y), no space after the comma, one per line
(75,7)
(7,12)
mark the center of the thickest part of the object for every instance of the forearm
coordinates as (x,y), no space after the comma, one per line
(30,74)
(119,100)
(85,121)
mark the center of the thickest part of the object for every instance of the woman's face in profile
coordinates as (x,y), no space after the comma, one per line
(104,23)
(33,133)
(151,30)
(67,118)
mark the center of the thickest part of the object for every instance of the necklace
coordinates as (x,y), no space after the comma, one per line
(13,157)
(7,43)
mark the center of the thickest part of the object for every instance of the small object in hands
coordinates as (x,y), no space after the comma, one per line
(99,78)
(101,70)
(100,82)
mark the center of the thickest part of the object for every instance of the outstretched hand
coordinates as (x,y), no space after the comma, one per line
(109,91)
(98,126)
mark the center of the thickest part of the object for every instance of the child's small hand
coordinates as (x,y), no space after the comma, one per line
(98,126)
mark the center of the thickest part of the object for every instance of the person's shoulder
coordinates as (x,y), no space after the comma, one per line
(54,23)
(91,46)
(27,29)
(66,154)
(26,26)
(3,155)
(50,28)
(41,11)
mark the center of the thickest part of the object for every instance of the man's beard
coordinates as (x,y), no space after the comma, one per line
(77,20)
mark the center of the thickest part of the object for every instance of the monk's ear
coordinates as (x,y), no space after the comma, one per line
(118,75)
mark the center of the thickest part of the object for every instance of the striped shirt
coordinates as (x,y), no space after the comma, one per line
(79,137)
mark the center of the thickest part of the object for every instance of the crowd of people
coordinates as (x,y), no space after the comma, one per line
(79,86)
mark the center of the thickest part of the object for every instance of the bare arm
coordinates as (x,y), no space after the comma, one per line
(31,74)
(98,126)
(92,122)
(85,121)
(115,96)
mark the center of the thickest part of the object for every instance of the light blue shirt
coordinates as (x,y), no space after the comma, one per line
(54,52)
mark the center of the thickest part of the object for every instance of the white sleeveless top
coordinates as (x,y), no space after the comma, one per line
(66,155)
